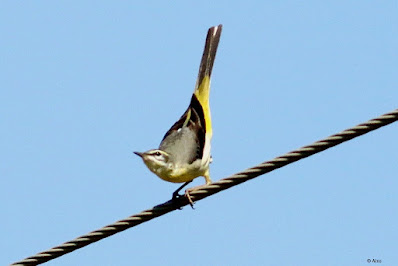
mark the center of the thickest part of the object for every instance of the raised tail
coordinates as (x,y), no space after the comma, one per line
(200,98)
(206,64)
(202,87)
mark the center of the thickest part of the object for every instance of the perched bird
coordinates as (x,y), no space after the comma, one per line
(184,152)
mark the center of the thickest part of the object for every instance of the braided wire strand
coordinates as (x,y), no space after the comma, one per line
(208,190)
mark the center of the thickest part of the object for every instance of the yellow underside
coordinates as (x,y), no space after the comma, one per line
(183,174)
(202,93)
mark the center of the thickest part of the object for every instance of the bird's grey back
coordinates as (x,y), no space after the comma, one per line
(182,145)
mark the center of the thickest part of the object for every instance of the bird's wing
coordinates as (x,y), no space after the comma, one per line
(185,140)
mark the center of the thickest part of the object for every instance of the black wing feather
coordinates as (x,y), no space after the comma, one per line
(196,125)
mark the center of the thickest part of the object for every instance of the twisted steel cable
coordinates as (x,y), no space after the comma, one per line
(205,191)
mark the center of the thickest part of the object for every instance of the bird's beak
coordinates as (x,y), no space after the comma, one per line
(139,153)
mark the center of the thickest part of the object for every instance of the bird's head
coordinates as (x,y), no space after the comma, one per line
(155,160)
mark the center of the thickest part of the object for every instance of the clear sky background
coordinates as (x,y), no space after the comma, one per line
(84,84)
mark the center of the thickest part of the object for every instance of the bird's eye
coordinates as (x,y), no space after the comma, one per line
(157,153)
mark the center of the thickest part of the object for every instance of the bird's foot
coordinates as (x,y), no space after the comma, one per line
(189,198)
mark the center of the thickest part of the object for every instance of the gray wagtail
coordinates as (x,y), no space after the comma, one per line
(184,152)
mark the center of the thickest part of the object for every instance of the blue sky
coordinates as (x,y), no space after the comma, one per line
(84,84)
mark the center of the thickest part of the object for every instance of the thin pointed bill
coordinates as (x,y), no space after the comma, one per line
(139,153)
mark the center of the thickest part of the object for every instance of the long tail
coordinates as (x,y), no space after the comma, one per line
(202,87)
(199,105)
(208,57)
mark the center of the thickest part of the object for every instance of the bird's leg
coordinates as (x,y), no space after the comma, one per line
(175,193)
(208,181)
